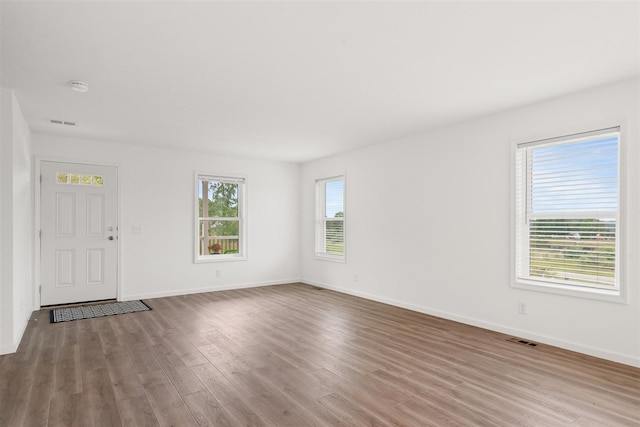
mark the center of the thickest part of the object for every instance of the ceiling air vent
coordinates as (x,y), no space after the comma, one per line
(62,122)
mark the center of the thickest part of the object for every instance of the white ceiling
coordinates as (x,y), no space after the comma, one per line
(296,81)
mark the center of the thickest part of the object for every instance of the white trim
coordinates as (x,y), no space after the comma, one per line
(572,137)
(211,289)
(242,181)
(521,333)
(324,256)
(231,178)
(342,259)
(623,205)
(37,171)
(18,338)
(8,349)
(219,258)
(620,294)
(570,290)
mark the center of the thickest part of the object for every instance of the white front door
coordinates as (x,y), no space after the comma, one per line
(79,248)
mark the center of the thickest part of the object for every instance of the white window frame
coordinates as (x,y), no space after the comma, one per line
(618,293)
(241,180)
(321,220)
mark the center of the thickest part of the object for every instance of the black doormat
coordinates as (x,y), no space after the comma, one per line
(90,311)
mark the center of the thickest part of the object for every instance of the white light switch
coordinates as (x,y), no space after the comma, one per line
(137,229)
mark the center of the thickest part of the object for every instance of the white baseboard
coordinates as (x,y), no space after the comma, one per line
(544,339)
(8,349)
(17,339)
(175,292)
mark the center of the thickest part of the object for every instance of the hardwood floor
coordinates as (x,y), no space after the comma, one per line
(293,355)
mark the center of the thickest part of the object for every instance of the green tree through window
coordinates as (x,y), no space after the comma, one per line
(219,211)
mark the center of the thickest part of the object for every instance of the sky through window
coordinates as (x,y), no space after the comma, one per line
(575,177)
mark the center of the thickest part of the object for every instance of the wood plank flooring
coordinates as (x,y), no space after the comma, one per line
(294,355)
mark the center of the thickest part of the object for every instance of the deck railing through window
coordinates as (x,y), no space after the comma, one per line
(219,245)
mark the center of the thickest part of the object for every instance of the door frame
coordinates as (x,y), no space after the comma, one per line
(37,211)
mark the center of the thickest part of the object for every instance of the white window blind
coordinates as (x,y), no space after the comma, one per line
(567,195)
(329,240)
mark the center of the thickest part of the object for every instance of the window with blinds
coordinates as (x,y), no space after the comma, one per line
(329,241)
(567,204)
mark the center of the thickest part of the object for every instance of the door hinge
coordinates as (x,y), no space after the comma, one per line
(40,178)
(40,290)
(40,234)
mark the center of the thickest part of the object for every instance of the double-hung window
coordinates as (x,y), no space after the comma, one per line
(220,223)
(567,212)
(330,241)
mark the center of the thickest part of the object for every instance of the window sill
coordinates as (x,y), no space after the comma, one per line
(616,296)
(219,258)
(331,258)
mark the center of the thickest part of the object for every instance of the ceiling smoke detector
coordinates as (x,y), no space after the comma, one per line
(79,86)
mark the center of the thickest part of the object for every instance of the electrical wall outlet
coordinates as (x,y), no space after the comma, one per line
(522,308)
(137,229)
(218,273)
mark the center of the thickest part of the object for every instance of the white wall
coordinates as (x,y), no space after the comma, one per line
(6,224)
(428,225)
(427,222)
(16,238)
(157,192)
(22,223)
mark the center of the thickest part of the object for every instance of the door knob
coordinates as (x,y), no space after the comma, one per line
(110,237)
